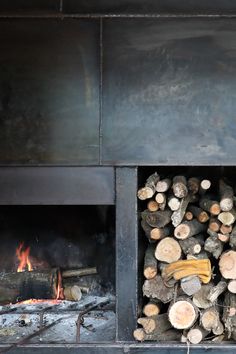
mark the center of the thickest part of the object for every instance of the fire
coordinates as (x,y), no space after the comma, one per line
(23,257)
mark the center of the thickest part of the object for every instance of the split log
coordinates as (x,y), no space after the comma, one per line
(152,308)
(227,217)
(150,187)
(188,216)
(210,320)
(158,324)
(200,298)
(214,246)
(179,187)
(190,245)
(214,225)
(152,205)
(188,229)
(158,218)
(193,185)
(182,313)
(210,206)
(200,215)
(72,293)
(156,289)
(232,286)
(168,250)
(173,203)
(150,263)
(226,196)
(197,334)
(168,336)
(79,272)
(26,285)
(205,185)
(178,215)
(227,265)
(163,185)
(190,285)
(216,291)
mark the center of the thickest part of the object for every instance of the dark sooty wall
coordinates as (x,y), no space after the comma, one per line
(67,237)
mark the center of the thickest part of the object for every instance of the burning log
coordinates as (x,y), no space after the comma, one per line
(79,272)
(18,286)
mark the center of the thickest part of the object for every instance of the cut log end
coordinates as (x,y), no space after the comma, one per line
(151,309)
(145,193)
(232,286)
(168,250)
(227,265)
(182,314)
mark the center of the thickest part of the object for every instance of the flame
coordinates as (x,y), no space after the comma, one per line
(23,257)
(60,290)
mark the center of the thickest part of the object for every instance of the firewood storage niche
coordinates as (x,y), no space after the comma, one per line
(57,262)
(187,254)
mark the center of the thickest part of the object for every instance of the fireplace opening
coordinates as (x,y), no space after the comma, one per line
(187,254)
(57,268)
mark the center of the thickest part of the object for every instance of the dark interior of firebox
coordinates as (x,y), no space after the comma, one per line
(63,237)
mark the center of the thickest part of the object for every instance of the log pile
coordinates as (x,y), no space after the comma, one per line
(190,261)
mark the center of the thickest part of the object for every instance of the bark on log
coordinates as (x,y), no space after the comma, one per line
(163,185)
(178,215)
(190,285)
(193,185)
(26,285)
(150,263)
(197,334)
(200,215)
(152,205)
(159,233)
(79,272)
(168,250)
(156,289)
(214,246)
(150,187)
(190,245)
(148,230)
(182,313)
(158,218)
(158,324)
(188,229)
(180,189)
(216,291)
(226,230)
(229,315)
(223,238)
(210,206)
(227,265)
(232,239)
(226,196)
(227,217)
(200,298)
(168,336)
(152,308)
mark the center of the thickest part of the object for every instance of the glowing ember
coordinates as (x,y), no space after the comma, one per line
(23,257)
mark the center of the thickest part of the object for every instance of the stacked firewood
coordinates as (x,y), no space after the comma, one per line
(190,261)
